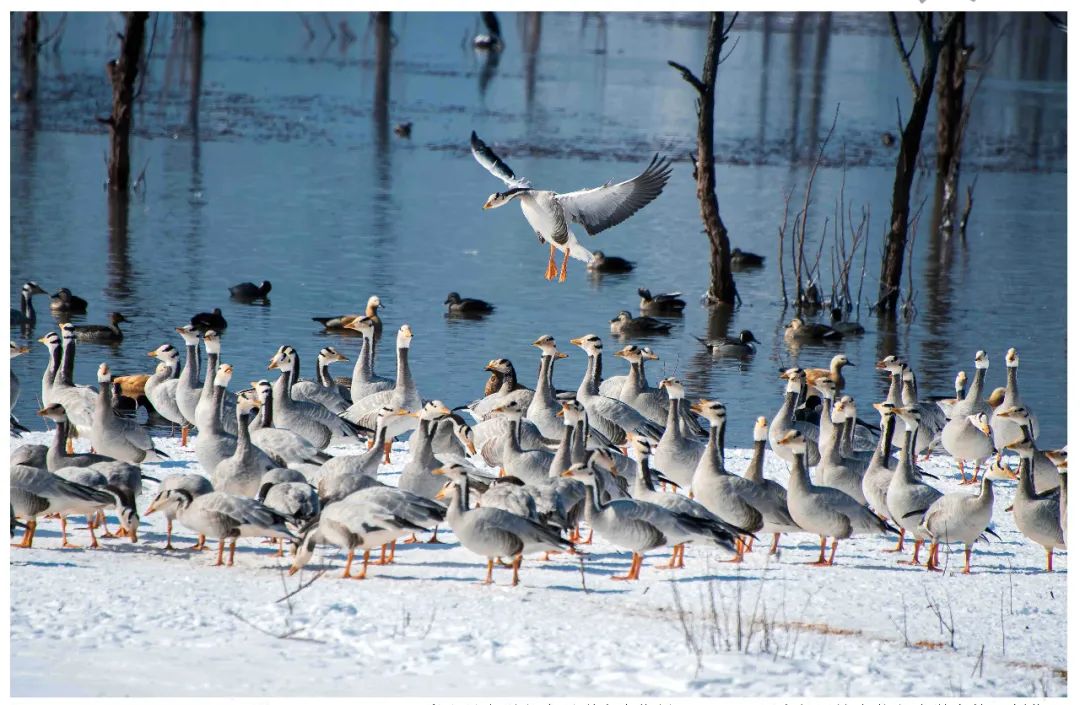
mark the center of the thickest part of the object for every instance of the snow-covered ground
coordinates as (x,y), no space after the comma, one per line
(133,619)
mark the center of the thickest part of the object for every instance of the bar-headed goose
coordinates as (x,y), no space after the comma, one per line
(825,511)
(194,484)
(221,516)
(642,526)
(1038,516)
(35,492)
(959,517)
(120,438)
(490,532)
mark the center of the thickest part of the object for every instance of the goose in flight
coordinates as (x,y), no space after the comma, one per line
(550,214)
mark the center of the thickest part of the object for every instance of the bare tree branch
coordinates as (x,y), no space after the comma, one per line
(688,76)
(905,55)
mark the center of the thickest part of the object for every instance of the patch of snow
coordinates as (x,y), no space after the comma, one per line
(133,619)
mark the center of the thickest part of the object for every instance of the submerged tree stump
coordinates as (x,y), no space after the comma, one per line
(922,90)
(122,72)
(722,283)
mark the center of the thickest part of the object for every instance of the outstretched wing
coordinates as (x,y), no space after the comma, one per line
(600,208)
(490,161)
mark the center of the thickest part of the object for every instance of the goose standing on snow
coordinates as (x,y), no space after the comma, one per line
(77,401)
(160,388)
(52,343)
(772,500)
(530,466)
(726,495)
(1044,472)
(834,470)
(1060,459)
(1038,516)
(784,421)
(959,517)
(188,386)
(490,532)
(323,390)
(824,511)
(1006,432)
(35,492)
(58,457)
(550,214)
(364,380)
(297,501)
(117,437)
(13,392)
(314,422)
(342,475)
(403,395)
(615,419)
(908,498)
(509,389)
(282,445)
(416,476)
(213,444)
(194,484)
(677,454)
(350,525)
(642,526)
(226,408)
(878,473)
(644,490)
(543,408)
(221,516)
(960,438)
(241,473)
(124,502)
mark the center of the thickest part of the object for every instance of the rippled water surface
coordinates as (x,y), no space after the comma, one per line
(293,174)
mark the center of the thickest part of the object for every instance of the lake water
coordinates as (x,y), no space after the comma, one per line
(294,176)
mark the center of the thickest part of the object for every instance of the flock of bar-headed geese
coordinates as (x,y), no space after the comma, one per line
(535,471)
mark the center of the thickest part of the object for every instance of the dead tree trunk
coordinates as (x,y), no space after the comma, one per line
(722,283)
(381,107)
(28,37)
(950,126)
(29,46)
(198,25)
(122,72)
(922,90)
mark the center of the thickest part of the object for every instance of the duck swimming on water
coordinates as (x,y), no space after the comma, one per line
(626,324)
(550,214)
(741,345)
(99,333)
(63,301)
(248,290)
(661,304)
(470,307)
(609,265)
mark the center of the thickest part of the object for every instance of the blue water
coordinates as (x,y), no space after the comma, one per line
(294,178)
